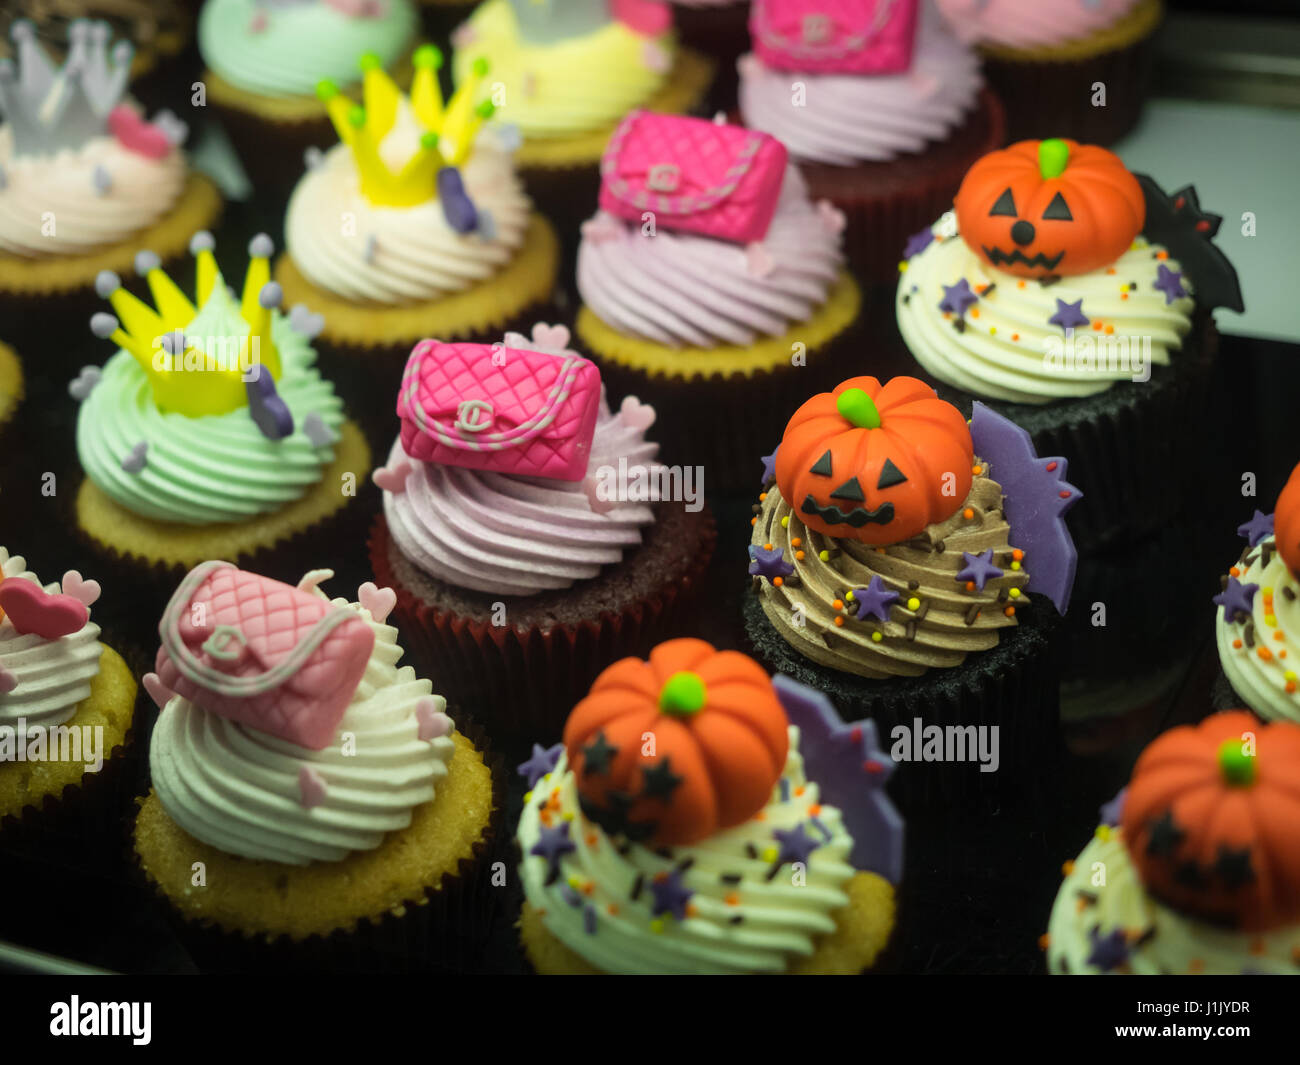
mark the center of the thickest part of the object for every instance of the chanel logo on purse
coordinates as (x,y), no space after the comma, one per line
(218,645)
(816,29)
(474,415)
(663,177)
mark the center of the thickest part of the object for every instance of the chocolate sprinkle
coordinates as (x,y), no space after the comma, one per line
(922,610)
(1287,594)
(988,289)
(910,630)
(637,885)
(730,878)
(685,864)
(1266,552)
(972,613)
(1223,583)
(1248,634)
(959,324)
(940,546)
(736,919)
(751,850)
(913,585)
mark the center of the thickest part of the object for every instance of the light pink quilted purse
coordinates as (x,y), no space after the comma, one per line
(508,410)
(695,176)
(270,656)
(834,36)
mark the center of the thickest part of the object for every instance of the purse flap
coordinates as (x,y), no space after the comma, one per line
(820,30)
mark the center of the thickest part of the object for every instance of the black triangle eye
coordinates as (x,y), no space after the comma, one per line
(1005,205)
(890,475)
(850,489)
(1058,210)
(822,467)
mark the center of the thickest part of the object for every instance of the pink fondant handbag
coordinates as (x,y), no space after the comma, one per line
(508,410)
(268,655)
(695,176)
(834,36)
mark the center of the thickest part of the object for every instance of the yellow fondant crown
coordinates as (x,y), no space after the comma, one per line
(449,129)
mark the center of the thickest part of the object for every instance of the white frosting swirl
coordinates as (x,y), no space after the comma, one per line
(52,205)
(237,788)
(52,676)
(611,924)
(343,243)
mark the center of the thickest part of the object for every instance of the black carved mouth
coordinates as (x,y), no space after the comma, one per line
(854,519)
(998,257)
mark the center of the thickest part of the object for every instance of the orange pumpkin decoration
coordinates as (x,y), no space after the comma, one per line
(873,462)
(1212,820)
(1047,208)
(673,750)
(1286,523)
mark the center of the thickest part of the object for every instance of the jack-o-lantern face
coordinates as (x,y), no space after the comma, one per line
(873,462)
(1049,208)
(1286,523)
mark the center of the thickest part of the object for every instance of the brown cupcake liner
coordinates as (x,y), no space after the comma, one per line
(444,932)
(523,682)
(271,153)
(722,34)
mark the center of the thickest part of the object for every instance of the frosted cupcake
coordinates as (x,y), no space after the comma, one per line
(883,109)
(1076,297)
(85,177)
(12,388)
(1193,869)
(528,530)
(753,836)
(210,431)
(361,812)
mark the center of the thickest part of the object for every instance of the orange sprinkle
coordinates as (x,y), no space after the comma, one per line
(838,604)
(592,839)
(814,809)
(974,312)
(1096,326)
(1110,329)
(977,470)
(545,816)
(1110,269)
(760,816)
(968,513)
(796,541)
(880,550)
(767,547)
(692,910)
(1067,867)
(731,899)
(1015,336)
(1162,255)
(1020,284)
(1264,653)
(798,556)
(1282,653)
(777,582)
(1290,687)
(1044,941)
(753,520)
(1018,555)
(588,888)
(947,315)
(1010,611)
(839,620)
(970,586)
(612,909)
(1123,295)
(799,790)
(1236,644)
(1279,635)
(1234,571)
(762,496)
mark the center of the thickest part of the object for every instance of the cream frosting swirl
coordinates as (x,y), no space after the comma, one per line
(51,677)
(1103,900)
(80,199)
(746,914)
(509,535)
(684,290)
(844,119)
(1006,345)
(1031,23)
(1247,643)
(237,789)
(343,243)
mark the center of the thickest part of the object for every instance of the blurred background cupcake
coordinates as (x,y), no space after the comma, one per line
(1199,860)
(12,390)
(679,857)
(718,29)
(264,59)
(884,111)
(1064,68)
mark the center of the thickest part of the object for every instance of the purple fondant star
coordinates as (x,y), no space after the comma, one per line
(769,466)
(541,762)
(956,298)
(918,242)
(1260,526)
(1069,315)
(1112,811)
(769,564)
(979,568)
(670,895)
(796,844)
(553,843)
(1109,951)
(875,599)
(1236,598)
(1170,282)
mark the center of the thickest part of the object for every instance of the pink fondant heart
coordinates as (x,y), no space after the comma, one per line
(34,610)
(137,135)
(758,262)
(379,601)
(432,721)
(601,227)
(393,478)
(598,505)
(656,57)
(311,787)
(8,682)
(635,414)
(550,337)
(831,216)
(85,592)
(158,691)
(648,17)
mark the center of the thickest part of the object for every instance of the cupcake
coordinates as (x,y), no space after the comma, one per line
(712,284)
(85,179)
(360,813)
(884,112)
(210,431)
(437,238)
(1076,297)
(911,566)
(1257,613)
(1075,68)
(264,59)
(12,389)
(528,531)
(565,72)
(1193,869)
(750,833)
(719,30)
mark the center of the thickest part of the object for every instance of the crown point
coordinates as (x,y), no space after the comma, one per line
(106,283)
(103,324)
(23,29)
(271,295)
(102,180)
(326,90)
(203,240)
(261,247)
(146,261)
(312,157)
(480,66)
(427,56)
(429,140)
(486,109)
(357,116)
(370,61)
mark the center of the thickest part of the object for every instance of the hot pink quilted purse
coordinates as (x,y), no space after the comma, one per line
(695,175)
(834,36)
(272,657)
(508,410)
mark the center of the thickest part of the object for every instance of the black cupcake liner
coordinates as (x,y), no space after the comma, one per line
(722,34)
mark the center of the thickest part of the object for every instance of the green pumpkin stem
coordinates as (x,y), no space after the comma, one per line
(1237,766)
(858,409)
(1053,155)
(683,694)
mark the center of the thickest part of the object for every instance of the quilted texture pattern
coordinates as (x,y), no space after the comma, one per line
(508,410)
(834,36)
(256,651)
(695,176)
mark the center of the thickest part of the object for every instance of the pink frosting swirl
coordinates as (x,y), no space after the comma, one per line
(1031,23)
(847,118)
(507,535)
(684,290)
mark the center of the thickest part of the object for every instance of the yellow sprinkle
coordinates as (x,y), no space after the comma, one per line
(902,267)
(848,596)
(825,556)
(528,797)
(1014,593)
(993,330)
(1289,675)
(1103,832)
(914,603)
(657,926)
(575,883)
(785,522)
(769,854)
(876,637)
(1270,619)
(1267,590)
(1015,565)
(568,815)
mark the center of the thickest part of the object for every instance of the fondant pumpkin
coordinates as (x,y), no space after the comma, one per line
(1286,523)
(1212,820)
(874,462)
(1052,207)
(673,750)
